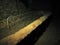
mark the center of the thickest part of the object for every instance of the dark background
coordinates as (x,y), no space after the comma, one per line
(51,35)
(47,33)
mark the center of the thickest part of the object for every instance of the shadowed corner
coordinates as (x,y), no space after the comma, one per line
(27,3)
(32,38)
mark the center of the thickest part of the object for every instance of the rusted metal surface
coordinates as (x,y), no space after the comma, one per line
(22,33)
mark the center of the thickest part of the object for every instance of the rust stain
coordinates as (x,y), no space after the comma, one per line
(33,25)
